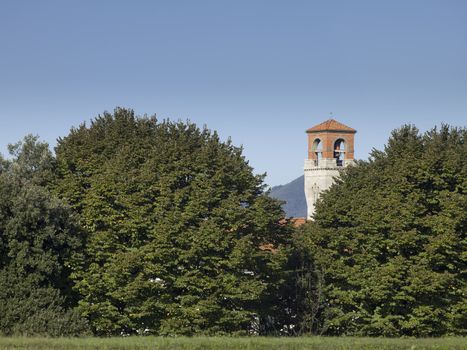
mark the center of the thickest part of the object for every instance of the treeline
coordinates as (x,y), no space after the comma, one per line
(140,226)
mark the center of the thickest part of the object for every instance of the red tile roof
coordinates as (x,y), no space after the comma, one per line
(331,125)
(297,222)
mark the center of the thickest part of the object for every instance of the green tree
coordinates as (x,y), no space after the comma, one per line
(391,236)
(38,241)
(175,223)
(299,300)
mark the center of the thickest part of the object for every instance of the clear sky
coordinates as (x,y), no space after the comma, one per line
(259,71)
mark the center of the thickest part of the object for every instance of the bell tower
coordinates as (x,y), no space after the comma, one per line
(330,149)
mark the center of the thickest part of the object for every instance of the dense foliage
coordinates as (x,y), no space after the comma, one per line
(140,226)
(390,236)
(175,223)
(38,241)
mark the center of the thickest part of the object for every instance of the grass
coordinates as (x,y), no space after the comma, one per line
(225,343)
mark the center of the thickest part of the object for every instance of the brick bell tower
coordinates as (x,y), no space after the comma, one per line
(330,149)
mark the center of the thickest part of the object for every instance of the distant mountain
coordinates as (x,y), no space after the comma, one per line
(294,195)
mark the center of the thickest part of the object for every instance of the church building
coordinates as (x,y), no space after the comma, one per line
(330,149)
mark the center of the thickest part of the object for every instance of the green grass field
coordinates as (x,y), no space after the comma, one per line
(221,343)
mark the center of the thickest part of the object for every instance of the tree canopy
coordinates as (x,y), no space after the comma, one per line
(140,226)
(38,242)
(390,236)
(176,227)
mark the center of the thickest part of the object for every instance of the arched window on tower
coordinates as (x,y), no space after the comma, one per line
(339,152)
(317,150)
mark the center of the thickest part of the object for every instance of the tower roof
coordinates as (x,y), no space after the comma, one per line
(331,125)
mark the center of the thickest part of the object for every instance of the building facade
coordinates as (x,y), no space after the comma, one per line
(330,149)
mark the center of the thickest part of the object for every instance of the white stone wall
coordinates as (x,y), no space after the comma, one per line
(317,179)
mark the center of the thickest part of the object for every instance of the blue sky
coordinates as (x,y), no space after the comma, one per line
(259,71)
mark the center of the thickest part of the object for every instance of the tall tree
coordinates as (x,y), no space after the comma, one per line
(38,241)
(391,235)
(175,223)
